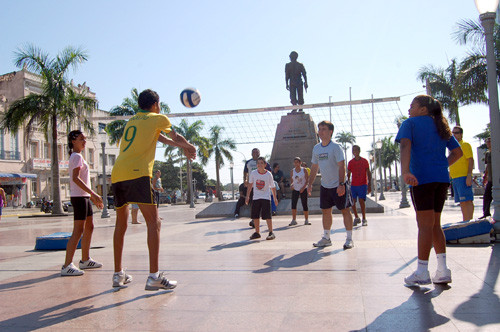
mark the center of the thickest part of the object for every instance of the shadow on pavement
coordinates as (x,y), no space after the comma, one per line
(301,259)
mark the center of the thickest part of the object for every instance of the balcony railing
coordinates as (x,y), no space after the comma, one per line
(10,155)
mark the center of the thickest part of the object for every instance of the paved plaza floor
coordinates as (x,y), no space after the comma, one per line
(229,283)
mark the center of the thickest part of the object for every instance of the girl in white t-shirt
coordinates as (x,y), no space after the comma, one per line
(262,183)
(81,198)
(299,177)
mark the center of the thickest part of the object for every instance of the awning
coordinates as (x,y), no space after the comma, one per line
(18,175)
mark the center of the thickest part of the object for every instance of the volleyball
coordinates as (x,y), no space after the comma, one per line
(190,97)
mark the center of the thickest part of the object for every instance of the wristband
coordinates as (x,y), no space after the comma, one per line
(342,184)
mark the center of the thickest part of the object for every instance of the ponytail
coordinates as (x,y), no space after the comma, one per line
(436,113)
(71,137)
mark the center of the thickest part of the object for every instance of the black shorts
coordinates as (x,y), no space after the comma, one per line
(429,196)
(82,208)
(328,198)
(303,199)
(137,191)
(261,208)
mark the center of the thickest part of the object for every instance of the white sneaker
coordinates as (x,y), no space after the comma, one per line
(356,221)
(71,270)
(442,277)
(293,223)
(365,222)
(348,244)
(306,222)
(89,264)
(324,242)
(160,283)
(120,279)
(415,279)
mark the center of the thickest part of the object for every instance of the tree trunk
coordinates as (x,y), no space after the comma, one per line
(189,180)
(397,177)
(390,177)
(56,182)
(217,165)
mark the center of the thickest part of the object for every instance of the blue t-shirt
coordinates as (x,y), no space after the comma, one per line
(428,151)
(328,157)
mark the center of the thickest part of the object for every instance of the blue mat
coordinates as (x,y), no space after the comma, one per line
(465,229)
(54,241)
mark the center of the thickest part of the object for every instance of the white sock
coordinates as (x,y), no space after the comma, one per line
(121,272)
(441,259)
(422,266)
(326,234)
(155,275)
(349,235)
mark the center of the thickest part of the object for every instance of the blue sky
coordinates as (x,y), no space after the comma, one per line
(234,52)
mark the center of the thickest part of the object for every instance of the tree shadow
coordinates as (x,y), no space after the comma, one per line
(298,260)
(415,314)
(467,311)
(46,317)
(229,231)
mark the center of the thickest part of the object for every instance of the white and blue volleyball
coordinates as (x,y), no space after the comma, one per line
(190,97)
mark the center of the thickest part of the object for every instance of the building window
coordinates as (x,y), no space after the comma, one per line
(34,187)
(34,152)
(46,151)
(112,159)
(91,158)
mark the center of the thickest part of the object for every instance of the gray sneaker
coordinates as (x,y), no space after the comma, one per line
(293,223)
(160,283)
(365,222)
(120,279)
(348,244)
(323,243)
(356,221)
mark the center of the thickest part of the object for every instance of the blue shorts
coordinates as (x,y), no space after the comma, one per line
(359,192)
(463,193)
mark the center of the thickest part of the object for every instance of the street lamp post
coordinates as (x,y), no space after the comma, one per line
(231,165)
(487,10)
(379,148)
(105,213)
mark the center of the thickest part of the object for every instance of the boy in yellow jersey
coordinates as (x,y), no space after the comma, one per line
(131,183)
(461,174)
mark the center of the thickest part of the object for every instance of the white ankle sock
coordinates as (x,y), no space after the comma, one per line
(326,234)
(441,260)
(349,235)
(422,266)
(155,275)
(121,272)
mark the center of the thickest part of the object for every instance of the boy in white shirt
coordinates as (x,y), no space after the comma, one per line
(262,183)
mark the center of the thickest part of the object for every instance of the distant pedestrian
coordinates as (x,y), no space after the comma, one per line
(299,178)
(3,201)
(361,183)
(487,178)
(261,183)
(424,138)
(157,187)
(241,201)
(81,197)
(135,213)
(328,158)
(279,178)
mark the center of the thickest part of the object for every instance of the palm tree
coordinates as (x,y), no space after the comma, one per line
(129,107)
(220,148)
(390,154)
(191,133)
(444,87)
(58,101)
(473,73)
(343,138)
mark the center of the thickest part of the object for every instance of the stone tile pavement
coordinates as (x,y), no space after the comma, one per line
(228,283)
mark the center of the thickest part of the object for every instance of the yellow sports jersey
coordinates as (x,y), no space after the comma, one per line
(461,166)
(138,146)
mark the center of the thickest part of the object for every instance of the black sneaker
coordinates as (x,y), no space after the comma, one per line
(251,224)
(255,236)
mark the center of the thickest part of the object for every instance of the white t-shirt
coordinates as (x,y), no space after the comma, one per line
(261,184)
(299,179)
(76,160)
(327,157)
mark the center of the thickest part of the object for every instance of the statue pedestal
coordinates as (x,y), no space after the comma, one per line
(296,136)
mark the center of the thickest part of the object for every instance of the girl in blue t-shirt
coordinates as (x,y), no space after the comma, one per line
(423,139)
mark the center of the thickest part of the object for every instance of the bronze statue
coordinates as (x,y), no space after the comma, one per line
(294,71)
